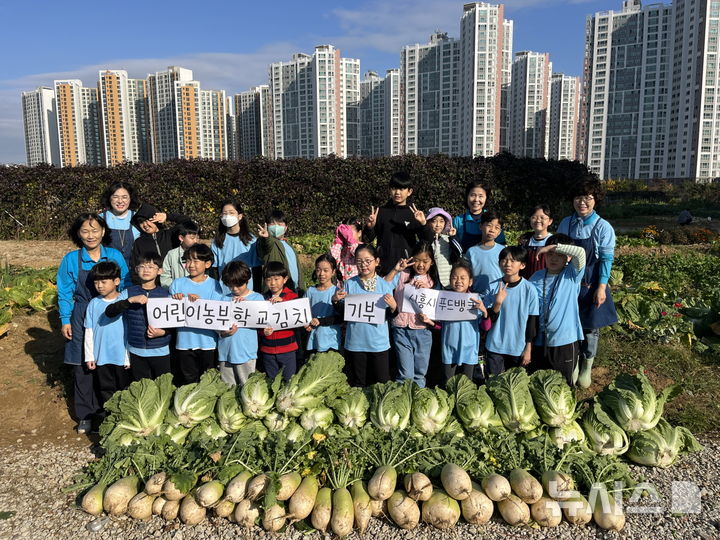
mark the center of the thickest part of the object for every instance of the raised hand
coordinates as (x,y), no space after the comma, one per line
(418,214)
(159,217)
(372,218)
(544,250)
(402,264)
(452,231)
(477,304)
(501,295)
(263,231)
(339,295)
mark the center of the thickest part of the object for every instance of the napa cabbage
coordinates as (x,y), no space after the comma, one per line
(473,406)
(351,408)
(603,435)
(257,395)
(553,398)
(195,402)
(391,405)
(510,392)
(431,409)
(566,434)
(662,445)
(317,418)
(229,412)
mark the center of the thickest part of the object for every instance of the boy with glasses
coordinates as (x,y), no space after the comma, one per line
(149,347)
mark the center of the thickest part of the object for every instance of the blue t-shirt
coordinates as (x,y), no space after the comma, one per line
(507,335)
(235,249)
(242,346)
(468,230)
(460,341)
(196,338)
(559,309)
(109,341)
(323,338)
(485,266)
(367,337)
(292,262)
(120,223)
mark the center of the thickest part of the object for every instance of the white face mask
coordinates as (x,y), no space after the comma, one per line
(229,220)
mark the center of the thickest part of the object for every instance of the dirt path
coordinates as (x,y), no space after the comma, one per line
(33,254)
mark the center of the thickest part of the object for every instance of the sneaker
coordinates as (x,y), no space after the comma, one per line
(84,426)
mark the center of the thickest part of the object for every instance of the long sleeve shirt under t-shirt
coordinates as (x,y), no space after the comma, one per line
(516,323)
(280,341)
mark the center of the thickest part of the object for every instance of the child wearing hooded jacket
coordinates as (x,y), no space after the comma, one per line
(347,238)
(155,237)
(446,249)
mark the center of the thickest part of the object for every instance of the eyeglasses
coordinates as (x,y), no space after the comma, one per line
(364,262)
(584,198)
(147,266)
(120,198)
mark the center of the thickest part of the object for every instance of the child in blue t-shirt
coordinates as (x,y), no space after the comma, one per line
(513,307)
(272,246)
(483,257)
(148,347)
(367,345)
(557,344)
(195,347)
(238,347)
(460,340)
(325,332)
(104,340)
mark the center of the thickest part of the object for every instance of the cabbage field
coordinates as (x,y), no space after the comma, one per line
(315,453)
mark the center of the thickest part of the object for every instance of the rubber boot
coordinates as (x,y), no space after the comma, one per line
(585,377)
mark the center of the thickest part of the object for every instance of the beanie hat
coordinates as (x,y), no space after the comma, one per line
(435,211)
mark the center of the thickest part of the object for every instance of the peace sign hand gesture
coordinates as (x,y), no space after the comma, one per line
(418,214)
(501,295)
(262,231)
(372,218)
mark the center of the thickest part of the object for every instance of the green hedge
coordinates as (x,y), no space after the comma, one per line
(315,194)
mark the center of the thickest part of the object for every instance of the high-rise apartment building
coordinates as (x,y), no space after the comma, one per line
(380,114)
(254,116)
(627,93)
(231,133)
(564,116)
(162,109)
(78,124)
(529,129)
(187,120)
(212,121)
(40,123)
(485,63)
(430,96)
(123,118)
(315,105)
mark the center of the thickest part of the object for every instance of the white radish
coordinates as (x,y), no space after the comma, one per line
(514,511)
(577,510)
(140,506)
(525,486)
(382,484)
(289,482)
(191,513)
(377,508)
(158,504)
(607,513)
(322,510)
(361,506)
(418,486)
(558,485)
(441,510)
(170,510)
(257,486)
(236,489)
(302,501)
(171,492)
(343,513)
(224,508)
(92,501)
(456,481)
(154,485)
(477,508)
(403,510)
(496,487)
(546,512)
(246,513)
(274,518)
(118,495)
(209,493)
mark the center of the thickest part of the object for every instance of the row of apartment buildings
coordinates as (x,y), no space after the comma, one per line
(648,105)
(459,96)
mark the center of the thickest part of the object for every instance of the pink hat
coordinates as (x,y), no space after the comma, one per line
(435,211)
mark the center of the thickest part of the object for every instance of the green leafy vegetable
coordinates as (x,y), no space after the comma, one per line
(228,411)
(473,405)
(553,398)
(351,408)
(431,409)
(391,405)
(662,445)
(603,434)
(195,402)
(257,395)
(511,394)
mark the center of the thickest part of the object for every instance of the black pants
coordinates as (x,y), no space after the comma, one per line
(111,378)
(450,370)
(497,363)
(149,367)
(86,395)
(365,368)
(194,362)
(563,358)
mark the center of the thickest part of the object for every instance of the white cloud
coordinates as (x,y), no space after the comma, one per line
(232,72)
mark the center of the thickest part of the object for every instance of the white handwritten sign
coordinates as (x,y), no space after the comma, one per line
(439,305)
(220,315)
(365,308)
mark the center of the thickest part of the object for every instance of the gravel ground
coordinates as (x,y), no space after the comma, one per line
(32,479)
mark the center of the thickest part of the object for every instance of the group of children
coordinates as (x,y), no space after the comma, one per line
(522,318)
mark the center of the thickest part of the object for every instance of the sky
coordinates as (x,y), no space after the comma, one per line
(229,44)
